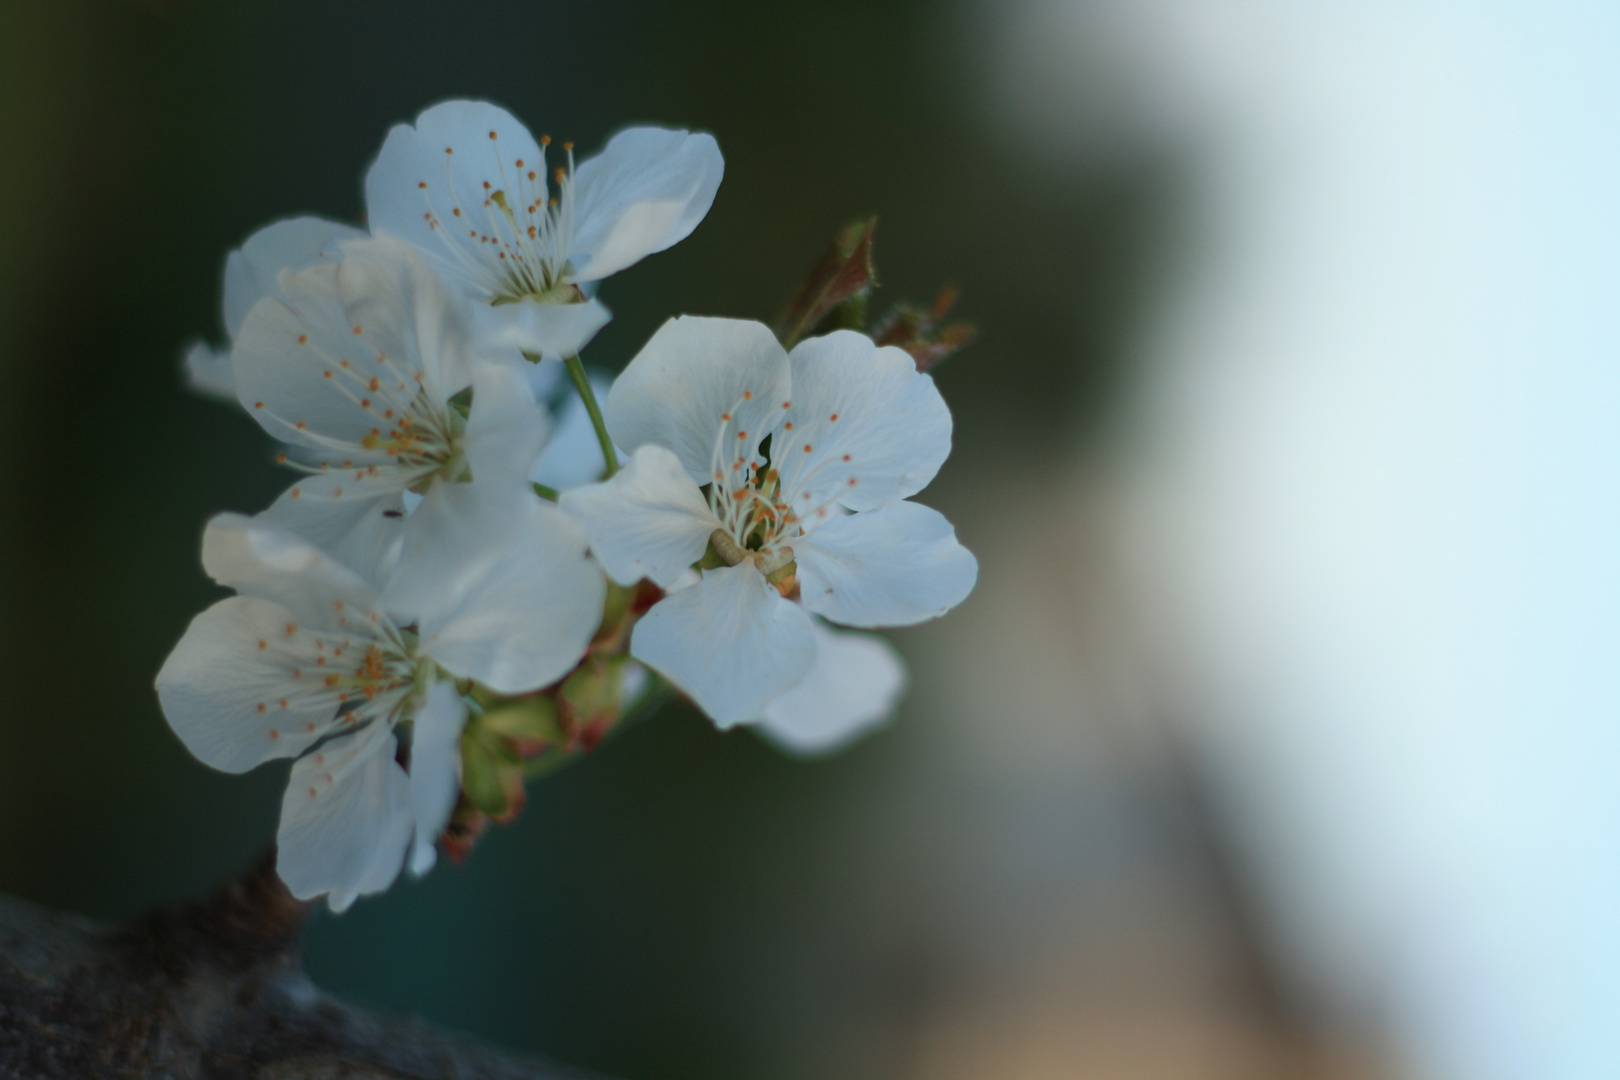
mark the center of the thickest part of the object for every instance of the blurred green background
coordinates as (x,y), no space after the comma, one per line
(683,903)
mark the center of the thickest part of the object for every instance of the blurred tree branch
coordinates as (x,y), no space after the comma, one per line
(211,988)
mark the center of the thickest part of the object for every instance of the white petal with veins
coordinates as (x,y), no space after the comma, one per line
(648,521)
(730,641)
(345,819)
(894,566)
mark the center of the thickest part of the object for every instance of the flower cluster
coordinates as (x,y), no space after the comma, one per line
(461,586)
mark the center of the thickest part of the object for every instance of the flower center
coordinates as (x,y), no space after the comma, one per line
(362,671)
(759,512)
(422,439)
(512,236)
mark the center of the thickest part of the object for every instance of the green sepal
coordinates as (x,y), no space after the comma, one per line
(526,719)
(482,763)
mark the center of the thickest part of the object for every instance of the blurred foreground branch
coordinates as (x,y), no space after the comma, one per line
(206,989)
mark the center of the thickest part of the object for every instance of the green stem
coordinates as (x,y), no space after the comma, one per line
(576,371)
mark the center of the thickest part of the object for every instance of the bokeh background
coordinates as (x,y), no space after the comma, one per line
(1279,738)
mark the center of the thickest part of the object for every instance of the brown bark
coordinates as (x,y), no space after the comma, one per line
(206,989)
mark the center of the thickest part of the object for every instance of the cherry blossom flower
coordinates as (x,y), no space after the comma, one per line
(250,275)
(470,186)
(311,661)
(359,365)
(794,470)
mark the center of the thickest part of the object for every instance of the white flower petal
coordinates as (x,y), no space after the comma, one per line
(258,559)
(853,684)
(573,457)
(348,347)
(893,566)
(649,520)
(891,434)
(698,384)
(503,587)
(730,642)
(208,372)
(435,769)
(355,516)
(223,687)
(251,270)
(345,819)
(405,311)
(431,186)
(548,331)
(646,190)
(505,429)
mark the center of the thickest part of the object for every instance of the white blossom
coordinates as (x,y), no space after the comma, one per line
(470,186)
(358,364)
(312,661)
(250,275)
(796,469)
